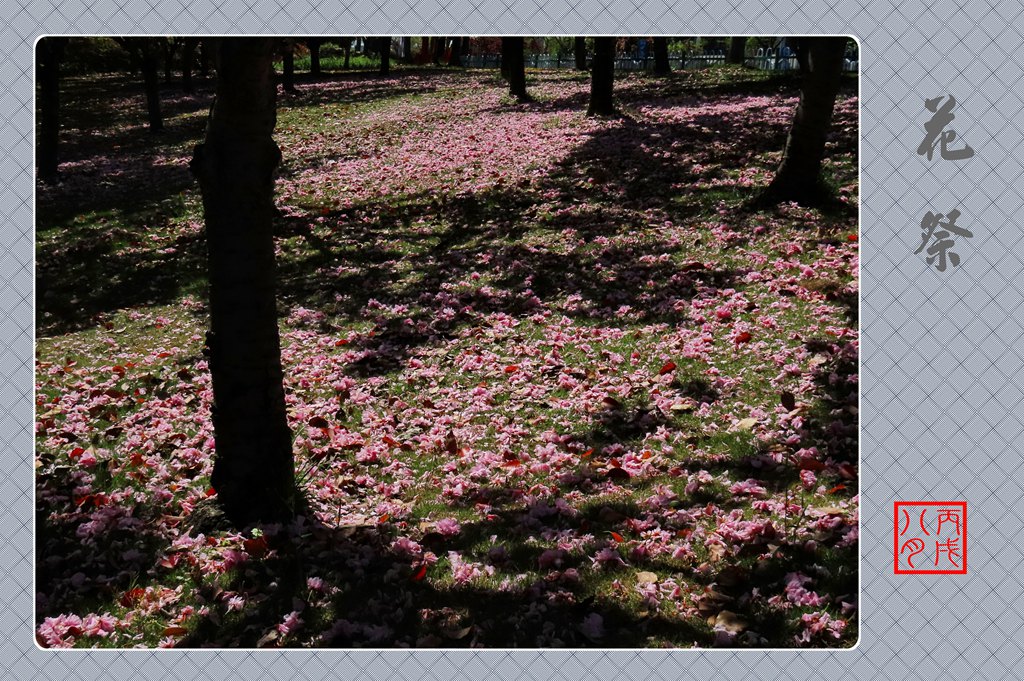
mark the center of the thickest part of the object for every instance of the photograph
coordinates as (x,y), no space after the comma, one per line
(491,342)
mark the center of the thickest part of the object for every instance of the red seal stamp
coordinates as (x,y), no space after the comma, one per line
(930,537)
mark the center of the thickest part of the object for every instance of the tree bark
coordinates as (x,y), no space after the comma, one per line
(253,473)
(314,55)
(288,65)
(514,62)
(737,49)
(438,50)
(799,175)
(407,50)
(455,58)
(661,63)
(49,53)
(188,56)
(602,78)
(580,53)
(385,55)
(204,58)
(347,48)
(169,48)
(150,61)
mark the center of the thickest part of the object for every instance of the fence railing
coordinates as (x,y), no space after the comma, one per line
(679,61)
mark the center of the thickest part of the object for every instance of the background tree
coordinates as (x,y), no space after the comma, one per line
(799,175)
(253,472)
(145,52)
(661,63)
(602,78)
(288,64)
(455,57)
(439,45)
(737,49)
(314,55)
(514,64)
(407,50)
(49,53)
(385,55)
(579,52)
(188,57)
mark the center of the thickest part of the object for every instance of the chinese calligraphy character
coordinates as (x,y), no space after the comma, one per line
(939,250)
(937,133)
(945,525)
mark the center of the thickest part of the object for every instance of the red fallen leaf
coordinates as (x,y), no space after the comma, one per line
(420,573)
(692,266)
(390,441)
(743,337)
(847,471)
(511,368)
(788,401)
(175,631)
(617,474)
(809,464)
(76,452)
(587,454)
(170,561)
(136,459)
(163,355)
(451,443)
(512,463)
(41,641)
(318,422)
(118,369)
(257,546)
(612,402)
(132,596)
(339,343)
(615,463)
(617,537)
(666,368)
(210,491)
(852,237)
(837,488)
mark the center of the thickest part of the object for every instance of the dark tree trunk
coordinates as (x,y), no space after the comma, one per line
(602,78)
(49,53)
(407,50)
(204,59)
(466,45)
(737,49)
(661,65)
(169,48)
(799,175)
(580,53)
(455,58)
(288,65)
(801,51)
(253,472)
(514,63)
(150,62)
(314,55)
(346,46)
(438,50)
(188,56)
(385,56)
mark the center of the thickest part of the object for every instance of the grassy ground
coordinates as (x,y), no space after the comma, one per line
(552,382)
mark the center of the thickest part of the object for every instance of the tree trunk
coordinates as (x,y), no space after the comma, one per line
(438,50)
(661,64)
(288,65)
(49,53)
(602,78)
(253,472)
(151,82)
(801,52)
(455,59)
(314,55)
(204,58)
(188,56)
(407,50)
(169,48)
(514,63)
(385,55)
(580,53)
(737,50)
(799,175)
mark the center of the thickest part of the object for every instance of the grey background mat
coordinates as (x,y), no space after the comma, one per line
(942,360)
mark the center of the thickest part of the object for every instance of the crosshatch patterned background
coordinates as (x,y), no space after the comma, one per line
(942,358)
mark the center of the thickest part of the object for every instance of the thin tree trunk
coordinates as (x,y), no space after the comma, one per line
(580,53)
(737,49)
(253,472)
(407,50)
(455,58)
(799,175)
(661,64)
(514,62)
(288,65)
(347,48)
(49,53)
(188,56)
(151,82)
(801,52)
(204,58)
(438,50)
(169,48)
(314,55)
(602,78)
(385,56)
